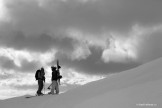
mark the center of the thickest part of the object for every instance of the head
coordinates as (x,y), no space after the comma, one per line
(42,70)
(53,68)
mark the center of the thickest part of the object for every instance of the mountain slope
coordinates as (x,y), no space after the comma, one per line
(136,88)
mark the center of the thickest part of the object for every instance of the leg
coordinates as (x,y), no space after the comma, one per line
(59,82)
(57,88)
(53,87)
(39,87)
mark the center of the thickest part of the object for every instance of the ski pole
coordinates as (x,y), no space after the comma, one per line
(49,86)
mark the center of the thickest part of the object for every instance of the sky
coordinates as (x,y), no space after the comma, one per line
(91,38)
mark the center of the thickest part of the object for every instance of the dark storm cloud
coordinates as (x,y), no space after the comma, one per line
(7,63)
(112,14)
(124,13)
(151,49)
(26,66)
(93,64)
(92,17)
(53,17)
(37,23)
(41,43)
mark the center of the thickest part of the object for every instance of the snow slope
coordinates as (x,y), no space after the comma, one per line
(140,87)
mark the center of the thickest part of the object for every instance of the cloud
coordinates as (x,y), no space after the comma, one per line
(141,44)
(93,64)
(98,34)
(150,43)
(6,63)
(39,43)
(120,50)
(24,65)
(16,78)
(75,78)
(33,22)
(55,15)
(24,61)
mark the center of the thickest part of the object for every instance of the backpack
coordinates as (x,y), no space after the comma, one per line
(58,75)
(36,74)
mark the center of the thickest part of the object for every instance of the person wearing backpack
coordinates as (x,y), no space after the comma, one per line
(40,77)
(54,79)
(58,74)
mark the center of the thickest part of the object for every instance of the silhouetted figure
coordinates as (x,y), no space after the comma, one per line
(40,78)
(54,79)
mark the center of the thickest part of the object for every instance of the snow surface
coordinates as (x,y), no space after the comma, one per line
(140,87)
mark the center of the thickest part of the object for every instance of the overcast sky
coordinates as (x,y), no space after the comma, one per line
(89,37)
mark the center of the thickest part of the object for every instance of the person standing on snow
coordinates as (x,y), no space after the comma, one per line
(54,79)
(41,78)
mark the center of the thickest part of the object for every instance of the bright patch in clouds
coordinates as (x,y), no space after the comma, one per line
(120,49)
(76,78)
(17,78)
(116,48)
(80,52)
(18,56)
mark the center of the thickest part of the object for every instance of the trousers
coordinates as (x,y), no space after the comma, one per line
(40,86)
(55,86)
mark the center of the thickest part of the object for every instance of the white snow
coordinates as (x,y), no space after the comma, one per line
(140,87)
